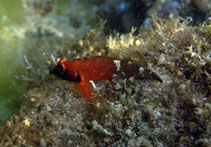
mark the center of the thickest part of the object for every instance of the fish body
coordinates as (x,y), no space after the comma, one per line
(82,71)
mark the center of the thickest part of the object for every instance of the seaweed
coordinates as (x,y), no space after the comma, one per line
(131,112)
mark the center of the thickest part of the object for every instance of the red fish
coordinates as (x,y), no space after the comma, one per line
(82,71)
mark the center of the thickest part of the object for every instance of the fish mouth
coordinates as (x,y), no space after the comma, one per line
(65,76)
(52,71)
(58,70)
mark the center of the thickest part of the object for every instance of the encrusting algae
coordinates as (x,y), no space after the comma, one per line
(130,112)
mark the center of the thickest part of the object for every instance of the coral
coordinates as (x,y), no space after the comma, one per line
(130,112)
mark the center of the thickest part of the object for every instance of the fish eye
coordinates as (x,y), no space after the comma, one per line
(60,68)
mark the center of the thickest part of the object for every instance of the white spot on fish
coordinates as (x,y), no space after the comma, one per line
(93,84)
(123,73)
(114,75)
(117,63)
(129,62)
(141,69)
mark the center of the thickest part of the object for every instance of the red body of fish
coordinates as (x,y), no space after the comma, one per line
(82,71)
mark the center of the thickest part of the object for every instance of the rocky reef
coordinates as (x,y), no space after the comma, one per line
(129,112)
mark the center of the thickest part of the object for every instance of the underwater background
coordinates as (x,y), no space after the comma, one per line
(12,16)
(169,37)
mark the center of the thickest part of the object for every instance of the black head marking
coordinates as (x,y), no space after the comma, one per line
(65,74)
(57,71)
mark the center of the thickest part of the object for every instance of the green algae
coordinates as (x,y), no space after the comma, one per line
(26,42)
(11,52)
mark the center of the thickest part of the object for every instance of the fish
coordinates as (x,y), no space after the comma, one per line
(94,69)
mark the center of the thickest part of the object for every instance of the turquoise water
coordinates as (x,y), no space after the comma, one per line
(12,44)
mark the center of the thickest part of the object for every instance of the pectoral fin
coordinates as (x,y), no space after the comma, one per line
(86,90)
